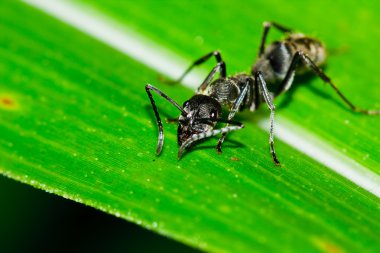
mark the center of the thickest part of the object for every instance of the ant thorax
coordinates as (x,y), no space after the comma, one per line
(223,90)
(227,90)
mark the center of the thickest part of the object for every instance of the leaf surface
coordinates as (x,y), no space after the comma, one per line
(75,121)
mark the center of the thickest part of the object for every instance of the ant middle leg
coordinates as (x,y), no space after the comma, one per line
(260,84)
(218,58)
(288,80)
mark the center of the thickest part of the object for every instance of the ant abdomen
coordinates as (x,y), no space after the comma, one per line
(311,47)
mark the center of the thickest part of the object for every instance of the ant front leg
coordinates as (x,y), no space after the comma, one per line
(221,67)
(260,84)
(148,89)
(197,137)
(287,82)
(201,60)
(233,111)
(267,26)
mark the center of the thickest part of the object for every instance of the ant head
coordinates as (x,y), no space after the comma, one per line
(201,115)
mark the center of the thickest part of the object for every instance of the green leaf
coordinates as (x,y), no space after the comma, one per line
(75,121)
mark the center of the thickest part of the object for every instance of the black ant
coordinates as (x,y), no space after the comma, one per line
(276,66)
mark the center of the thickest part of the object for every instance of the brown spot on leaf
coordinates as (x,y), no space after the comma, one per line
(7,102)
(326,246)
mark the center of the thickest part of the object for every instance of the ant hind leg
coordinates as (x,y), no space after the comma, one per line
(308,62)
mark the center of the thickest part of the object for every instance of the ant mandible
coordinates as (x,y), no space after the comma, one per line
(276,66)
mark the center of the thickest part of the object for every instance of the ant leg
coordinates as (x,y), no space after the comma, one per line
(219,67)
(232,113)
(201,60)
(267,26)
(149,88)
(196,137)
(262,85)
(289,77)
(308,62)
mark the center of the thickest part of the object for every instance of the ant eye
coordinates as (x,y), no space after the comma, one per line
(213,114)
(186,104)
